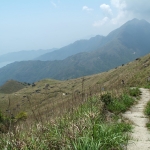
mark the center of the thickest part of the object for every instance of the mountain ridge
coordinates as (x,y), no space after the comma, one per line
(120,49)
(23,55)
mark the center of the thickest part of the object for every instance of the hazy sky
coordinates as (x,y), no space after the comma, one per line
(45,24)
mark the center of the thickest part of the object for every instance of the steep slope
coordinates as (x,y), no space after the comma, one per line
(74,48)
(134,35)
(127,43)
(133,74)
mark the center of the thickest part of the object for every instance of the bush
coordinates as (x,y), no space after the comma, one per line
(21,116)
(147,86)
(120,104)
(6,120)
(106,98)
(134,92)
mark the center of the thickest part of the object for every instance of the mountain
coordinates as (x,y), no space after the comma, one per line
(134,35)
(127,34)
(22,55)
(74,48)
(130,41)
(134,74)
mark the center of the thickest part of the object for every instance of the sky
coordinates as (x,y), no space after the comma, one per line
(46,24)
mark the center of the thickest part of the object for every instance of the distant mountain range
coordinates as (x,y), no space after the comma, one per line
(85,57)
(22,55)
(74,48)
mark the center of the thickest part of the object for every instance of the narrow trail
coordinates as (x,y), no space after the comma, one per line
(140,136)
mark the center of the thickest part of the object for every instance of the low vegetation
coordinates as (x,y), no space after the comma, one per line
(147,113)
(134,92)
(92,125)
(120,104)
(78,114)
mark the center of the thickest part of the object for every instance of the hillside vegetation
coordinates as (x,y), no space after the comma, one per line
(72,114)
(12,86)
(48,92)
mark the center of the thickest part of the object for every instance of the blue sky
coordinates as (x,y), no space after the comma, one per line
(45,24)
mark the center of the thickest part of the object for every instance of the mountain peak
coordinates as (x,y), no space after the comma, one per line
(136,21)
(131,26)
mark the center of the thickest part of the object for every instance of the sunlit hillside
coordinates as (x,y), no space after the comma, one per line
(48,93)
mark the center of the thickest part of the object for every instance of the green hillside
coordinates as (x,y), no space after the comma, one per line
(52,114)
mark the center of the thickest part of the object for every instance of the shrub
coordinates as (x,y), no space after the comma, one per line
(147,86)
(106,98)
(120,104)
(21,116)
(5,121)
(134,92)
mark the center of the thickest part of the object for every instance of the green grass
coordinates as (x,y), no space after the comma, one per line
(147,109)
(103,136)
(84,123)
(148,125)
(147,113)
(147,86)
(134,92)
(83,128)
(117,104)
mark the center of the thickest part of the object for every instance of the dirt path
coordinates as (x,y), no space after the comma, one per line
(140,135)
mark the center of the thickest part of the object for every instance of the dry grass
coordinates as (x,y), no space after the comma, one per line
(58,96)
(78,103)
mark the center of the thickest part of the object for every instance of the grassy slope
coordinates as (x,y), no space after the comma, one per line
(82,123)
(134,74)
(12,86)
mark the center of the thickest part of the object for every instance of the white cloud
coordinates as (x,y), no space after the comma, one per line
(120,11)
(119,4)
(101,22)
(86,8)
(113,18)
(106,9)
(120,18)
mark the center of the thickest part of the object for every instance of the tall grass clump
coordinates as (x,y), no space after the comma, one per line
(147,113)
(103,136)
(8,122)
(117,104)
(147,109)
(147,86)
(134,92)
